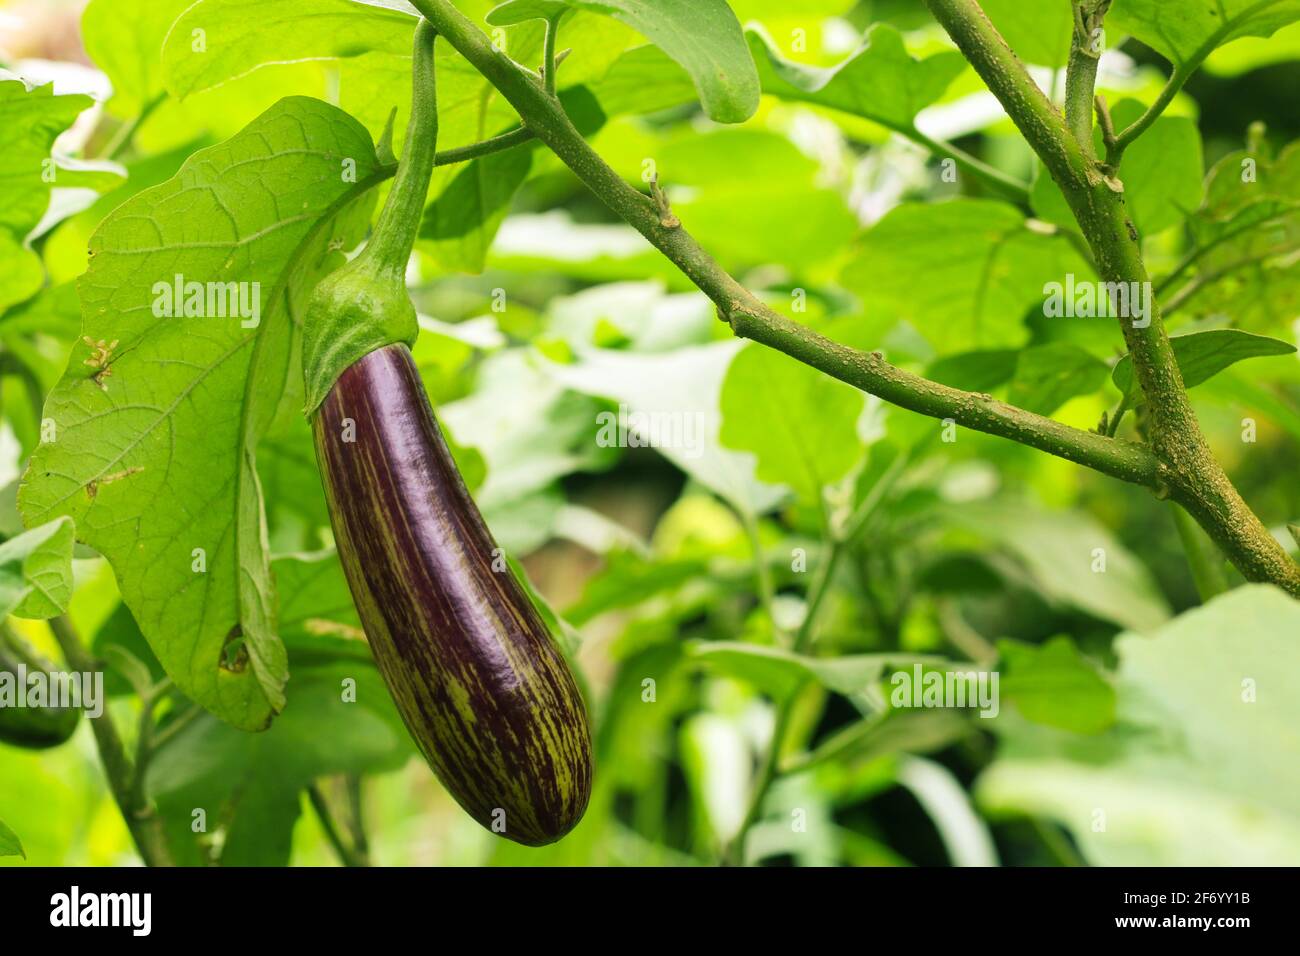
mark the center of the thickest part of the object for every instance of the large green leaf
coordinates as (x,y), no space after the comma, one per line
(1202,355)
(800,424)
(1048,376)
(1186,31)
(157,422)
(881,81)
(36,571)
(680,389)
(1054,685)
(703,36)
(1203,765)
(20,271)
(32,120)
(1070,558)
(1039,33)
(125,39)
(239,36)
(342,721)
(963,272)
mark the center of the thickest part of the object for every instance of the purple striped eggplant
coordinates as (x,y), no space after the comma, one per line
(473,669)
(481,686)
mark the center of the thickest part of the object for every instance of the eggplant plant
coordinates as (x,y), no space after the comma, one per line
(654,427)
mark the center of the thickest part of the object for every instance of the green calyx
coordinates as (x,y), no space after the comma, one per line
(364,306)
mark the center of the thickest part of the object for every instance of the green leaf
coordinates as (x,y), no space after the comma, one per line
(800,424)
(10,845)
(642,80)
(528,429)
(318,621)
(1186,31)
(1048,376)
(239,36)
(33,119)
(701,35)
(980,371)
(342,721)
(36,571)
(1163,174)
(1064,554)
(21,274)
(1038,33)
(125,39)
(459,227)
(881,81)
(777,212)
(682,388)
(155,459)
(1054,685)
(963,272)
(520,11)
(1203,763)
(1202,355)
(780,672)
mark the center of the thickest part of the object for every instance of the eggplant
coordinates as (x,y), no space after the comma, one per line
(35,728)
(476,676)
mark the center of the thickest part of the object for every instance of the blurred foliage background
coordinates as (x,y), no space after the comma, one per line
(679,574)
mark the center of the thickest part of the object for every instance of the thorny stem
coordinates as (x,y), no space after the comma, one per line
(1178,464)
(144,824)
(752,319)
(1186,469)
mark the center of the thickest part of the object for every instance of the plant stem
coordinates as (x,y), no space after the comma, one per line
(126,132)
(1081,73)
(1187,470)
(548,53)
(496,144)
(144,824)
(1182,72)
(393,236)
(750,318)
(767,774)
(992,176)
(762,573)
(1206,279)
(1195,255)
(1179,464)
(348,855)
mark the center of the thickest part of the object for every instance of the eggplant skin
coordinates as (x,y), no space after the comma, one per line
(34,728)
(481,686)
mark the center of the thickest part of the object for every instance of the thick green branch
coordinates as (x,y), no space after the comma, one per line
(1189,472)
(750,318)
